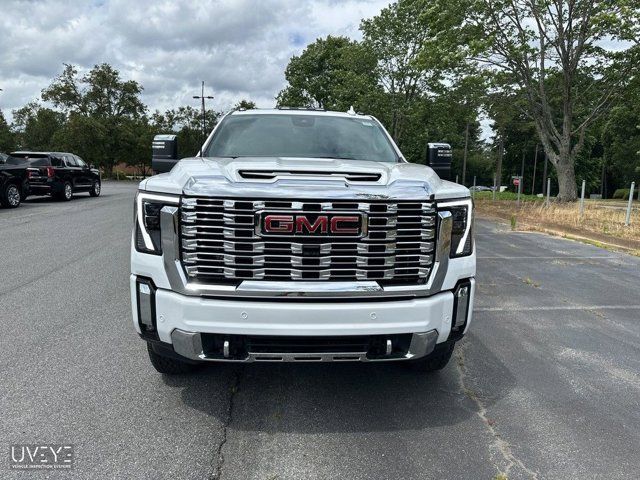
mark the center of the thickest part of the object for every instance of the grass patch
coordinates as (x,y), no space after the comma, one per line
(531,283)
(506,196)
(604,219)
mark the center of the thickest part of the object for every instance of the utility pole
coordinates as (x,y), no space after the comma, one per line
(204,114)
(466,149)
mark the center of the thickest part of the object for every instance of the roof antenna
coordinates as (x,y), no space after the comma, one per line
(351,111)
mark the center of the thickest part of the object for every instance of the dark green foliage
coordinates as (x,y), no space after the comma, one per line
(333,74)
(186,122)
(622,194)
(102,118)
(36,126)
(429,71)
(7,138)
(245,104)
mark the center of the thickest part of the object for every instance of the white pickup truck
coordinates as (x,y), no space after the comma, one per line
(300,236)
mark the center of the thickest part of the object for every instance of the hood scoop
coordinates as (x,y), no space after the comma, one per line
(274,175)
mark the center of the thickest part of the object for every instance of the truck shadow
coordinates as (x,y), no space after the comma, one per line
(325,398)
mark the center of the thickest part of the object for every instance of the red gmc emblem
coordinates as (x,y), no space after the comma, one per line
(311,224)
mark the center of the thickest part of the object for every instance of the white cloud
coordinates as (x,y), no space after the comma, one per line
(239,47)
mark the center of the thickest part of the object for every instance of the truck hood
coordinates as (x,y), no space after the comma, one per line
(265,177)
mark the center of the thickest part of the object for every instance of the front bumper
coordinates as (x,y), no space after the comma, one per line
(179,320)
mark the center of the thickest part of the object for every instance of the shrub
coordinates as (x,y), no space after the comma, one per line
(622,194)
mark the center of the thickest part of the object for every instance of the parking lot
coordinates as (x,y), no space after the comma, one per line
(546,385)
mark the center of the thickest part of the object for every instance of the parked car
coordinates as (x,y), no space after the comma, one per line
(480,188)
(60,174)
(14,183)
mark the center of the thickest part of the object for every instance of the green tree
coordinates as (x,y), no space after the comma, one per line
(186,123)
(7,140)
(621,139)
(245,104)
(36,126)
(104,102)
(333,73)
(425,96)
(523,42)
(397,36)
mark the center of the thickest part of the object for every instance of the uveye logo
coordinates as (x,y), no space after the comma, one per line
(41,457)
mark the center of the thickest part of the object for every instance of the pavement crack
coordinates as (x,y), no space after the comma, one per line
(218,461)
(498,443)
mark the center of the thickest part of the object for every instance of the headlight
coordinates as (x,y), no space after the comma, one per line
(462,226)
(148,232)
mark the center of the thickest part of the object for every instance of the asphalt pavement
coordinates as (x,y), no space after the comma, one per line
(546,385)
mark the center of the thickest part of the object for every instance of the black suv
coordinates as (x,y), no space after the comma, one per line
(60,174)
(14,182)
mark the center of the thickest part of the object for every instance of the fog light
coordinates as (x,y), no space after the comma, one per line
(461,305)
(146,306)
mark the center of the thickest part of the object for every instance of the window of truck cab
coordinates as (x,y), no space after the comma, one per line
(301,136)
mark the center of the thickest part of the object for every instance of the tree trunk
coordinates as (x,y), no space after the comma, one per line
(544,175)
(535,165)
(566,179)
(499,165)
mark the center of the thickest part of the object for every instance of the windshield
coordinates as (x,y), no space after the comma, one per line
(307,136)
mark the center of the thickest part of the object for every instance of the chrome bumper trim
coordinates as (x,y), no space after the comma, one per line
(189,345)
(169,220)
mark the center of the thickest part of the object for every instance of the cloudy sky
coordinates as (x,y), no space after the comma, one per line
(238,47)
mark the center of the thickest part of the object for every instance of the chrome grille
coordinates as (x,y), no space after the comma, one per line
(220,243)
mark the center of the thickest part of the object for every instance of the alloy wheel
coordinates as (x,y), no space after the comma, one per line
(13,196)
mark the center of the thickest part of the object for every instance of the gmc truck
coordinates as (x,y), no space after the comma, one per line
(300,236)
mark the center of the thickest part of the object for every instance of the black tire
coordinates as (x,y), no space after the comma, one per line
(437,360)
(96,188)
(67,192)
(11,196)
(169,366)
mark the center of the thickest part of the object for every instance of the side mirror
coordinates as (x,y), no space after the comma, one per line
(164,153)
(92,166)
(439,158)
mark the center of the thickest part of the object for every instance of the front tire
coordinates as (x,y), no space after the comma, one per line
(169,366)
(436,360)
(95,189)
(11,196)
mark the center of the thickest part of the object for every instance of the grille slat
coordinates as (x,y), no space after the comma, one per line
(219,242)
